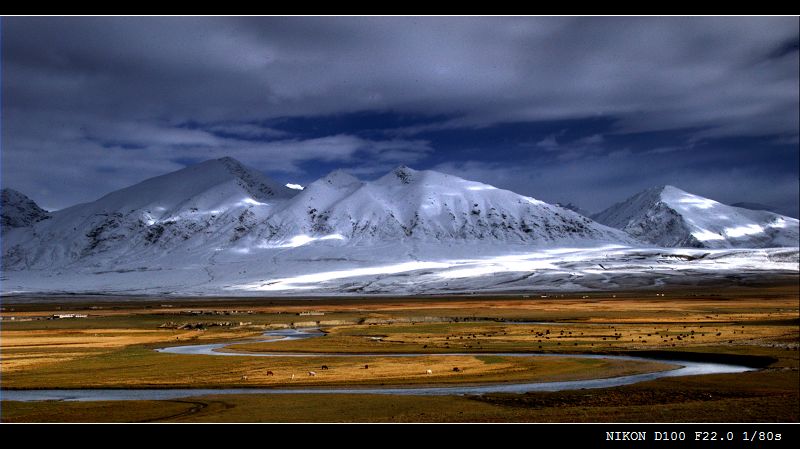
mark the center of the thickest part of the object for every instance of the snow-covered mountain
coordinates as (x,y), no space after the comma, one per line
(204,205)
(219,227)
(427,206)
(669,217)
(18,211)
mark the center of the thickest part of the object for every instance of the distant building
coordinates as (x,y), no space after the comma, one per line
(311,313)
(69,315)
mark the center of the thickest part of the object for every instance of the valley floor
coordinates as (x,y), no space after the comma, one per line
(114,347)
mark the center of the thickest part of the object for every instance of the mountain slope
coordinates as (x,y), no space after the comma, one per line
(18,211)
(669,217)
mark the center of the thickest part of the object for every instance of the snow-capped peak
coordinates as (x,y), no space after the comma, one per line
(668,216)
(404,177)
(209,185)
(685,201)
(253,181)
(401,174)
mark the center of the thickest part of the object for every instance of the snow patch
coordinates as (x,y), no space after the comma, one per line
(698,202)
(499,265)
(251,202)
(741,231)
(778,223)
(300,240)
(303,281)
(705,235)
(481,187)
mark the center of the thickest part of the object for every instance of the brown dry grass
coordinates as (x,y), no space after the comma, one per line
(29,349)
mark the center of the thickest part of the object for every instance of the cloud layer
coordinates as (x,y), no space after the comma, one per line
(94,104)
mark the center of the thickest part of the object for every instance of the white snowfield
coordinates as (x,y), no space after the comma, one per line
(219,228)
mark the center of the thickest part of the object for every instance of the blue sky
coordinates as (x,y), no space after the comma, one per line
(582,110)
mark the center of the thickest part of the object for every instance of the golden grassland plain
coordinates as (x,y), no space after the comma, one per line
(113,347)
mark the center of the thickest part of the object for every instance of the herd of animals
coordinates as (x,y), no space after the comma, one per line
(325,367)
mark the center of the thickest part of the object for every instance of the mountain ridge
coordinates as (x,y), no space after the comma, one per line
(19,211)
(223,204)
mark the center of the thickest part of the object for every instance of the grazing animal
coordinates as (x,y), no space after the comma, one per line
(312,373)
(324,366)
(366,366)
(457,370)
(244,377)
(429,372)
(270,373)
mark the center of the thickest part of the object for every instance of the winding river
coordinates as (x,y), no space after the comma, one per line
(684,368)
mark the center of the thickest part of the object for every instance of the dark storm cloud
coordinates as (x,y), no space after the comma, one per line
(93,104)
(786,48)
